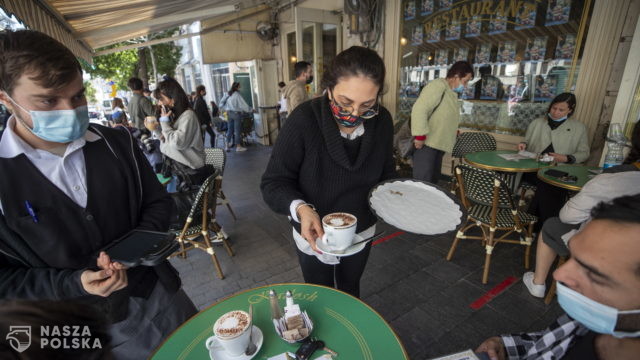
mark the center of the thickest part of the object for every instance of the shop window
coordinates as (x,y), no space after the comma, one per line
(524,53)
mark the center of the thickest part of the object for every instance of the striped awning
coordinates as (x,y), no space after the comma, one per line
(37,17)
(87,25)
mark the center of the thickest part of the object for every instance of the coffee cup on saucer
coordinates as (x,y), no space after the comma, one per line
(339,230)
(231,330)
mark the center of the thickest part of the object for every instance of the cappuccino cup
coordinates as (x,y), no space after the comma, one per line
(231,331)
(339,230)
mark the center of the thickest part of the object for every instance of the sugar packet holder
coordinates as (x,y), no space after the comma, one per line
(280,326)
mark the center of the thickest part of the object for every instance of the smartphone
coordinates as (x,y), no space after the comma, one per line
(556,173)
(142,247)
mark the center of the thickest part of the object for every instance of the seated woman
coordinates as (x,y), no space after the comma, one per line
(556,232)
(564,139)
(331,151)
(117,106)
(181,141)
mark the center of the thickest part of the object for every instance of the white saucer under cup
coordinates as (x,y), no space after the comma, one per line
(352,249)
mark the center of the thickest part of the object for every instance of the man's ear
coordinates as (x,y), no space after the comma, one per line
(4,100)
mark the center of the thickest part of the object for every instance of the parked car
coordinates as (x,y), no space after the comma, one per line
(106,108)
(96,116)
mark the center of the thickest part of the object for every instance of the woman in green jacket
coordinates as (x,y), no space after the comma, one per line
(561,137)
(434,121)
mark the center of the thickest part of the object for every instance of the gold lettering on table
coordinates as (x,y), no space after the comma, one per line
(297,295)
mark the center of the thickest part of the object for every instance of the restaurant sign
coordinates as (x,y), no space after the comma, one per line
(465,11)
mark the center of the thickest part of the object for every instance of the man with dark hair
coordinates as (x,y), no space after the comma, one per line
(204,117)
(69,189)
(295,93)
(598,288)
(139,106)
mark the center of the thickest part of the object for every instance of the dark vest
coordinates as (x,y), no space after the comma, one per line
(68,236)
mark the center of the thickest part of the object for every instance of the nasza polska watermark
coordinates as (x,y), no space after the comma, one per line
(54,337)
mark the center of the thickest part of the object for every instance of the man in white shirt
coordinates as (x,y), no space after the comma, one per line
(66,193)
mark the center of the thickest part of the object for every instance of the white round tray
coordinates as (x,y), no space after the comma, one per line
(416,206)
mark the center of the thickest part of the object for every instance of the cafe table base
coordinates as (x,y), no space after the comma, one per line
(347,325)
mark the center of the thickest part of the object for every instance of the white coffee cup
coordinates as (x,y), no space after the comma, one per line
(231,331)
(339,230)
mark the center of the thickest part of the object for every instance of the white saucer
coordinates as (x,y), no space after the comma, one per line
(217,352)
(351,250)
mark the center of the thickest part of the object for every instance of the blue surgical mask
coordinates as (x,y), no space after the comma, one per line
(557,120)
(459,89)
(59,126)
(597,317)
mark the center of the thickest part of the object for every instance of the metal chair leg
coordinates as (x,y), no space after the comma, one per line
(552,289)
(226,202)
(220,233)
(183,252)
(487,258)
(453,247)
(210,251)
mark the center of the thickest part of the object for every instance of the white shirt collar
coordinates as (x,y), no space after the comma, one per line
(12,145)
(359,131)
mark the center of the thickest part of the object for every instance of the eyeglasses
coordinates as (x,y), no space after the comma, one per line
(365,113)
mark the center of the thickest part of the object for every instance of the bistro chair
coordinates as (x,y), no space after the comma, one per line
(466,143)
(490,206)
(218,158)
(552,289)
(196,234)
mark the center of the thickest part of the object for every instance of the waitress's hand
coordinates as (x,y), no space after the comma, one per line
(559,158)
(522,146)
(310,226)
(418,143)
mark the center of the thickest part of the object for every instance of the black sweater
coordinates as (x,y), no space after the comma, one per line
(310,162)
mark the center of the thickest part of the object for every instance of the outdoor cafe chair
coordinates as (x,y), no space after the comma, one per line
(196,234)
(466,143)
(490,206)
(218,159)
(552,290)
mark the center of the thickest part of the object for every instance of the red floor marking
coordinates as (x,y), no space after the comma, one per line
(389,237)
(484,299)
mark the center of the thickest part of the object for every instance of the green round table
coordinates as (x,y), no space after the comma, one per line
(579,171)
(491,161)
(347,325)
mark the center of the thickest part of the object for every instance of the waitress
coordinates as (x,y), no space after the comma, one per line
(331,151)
